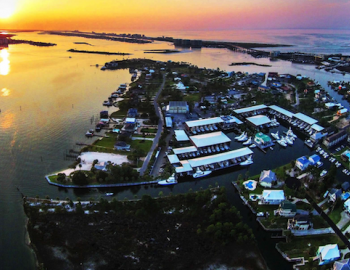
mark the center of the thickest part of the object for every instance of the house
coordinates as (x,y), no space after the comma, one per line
(263,88)
(342,265)
(300,222)
(314,159)
(335,139)
(132,113)
(345,186)
(327,254)
(334,194)
(120,145)
(347,206)
(286,209)
(178,107)
(101,166)
(342,112)
(272,197)
(267,178)
(302,163)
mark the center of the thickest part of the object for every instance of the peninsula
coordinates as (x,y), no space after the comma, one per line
(98,52)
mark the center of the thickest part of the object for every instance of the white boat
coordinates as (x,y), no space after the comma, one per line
(170,181)
(244,138)
(289,141)
(240,136)
(249,141)
(200,173)
(275,135)
(282,143)
(252,146)
(323,173)
(109,194)
(247,162)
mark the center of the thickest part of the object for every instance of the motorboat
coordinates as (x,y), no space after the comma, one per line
(211,128)
(282,143)
(222,147)
(291,134)
(275,135)
(206,128)
(215,127)
(217,148)
(323,173)
(226,147)
(249,141)
(202,129)
(209,151)
(240,136)
(252,146)
(247,162)
(244,138)
(319,164)
(107,103)
(288,140)
(200,173)
(109,194)
(170,181)
(89,133)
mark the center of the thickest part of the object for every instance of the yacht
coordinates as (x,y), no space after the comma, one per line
(249,141)
(247,162)
(240,136)
(323,173)
(200,173)
(170,181)
(252,145)
(275,135)
(244,138)
(217,148)
(288,140)
(282,143)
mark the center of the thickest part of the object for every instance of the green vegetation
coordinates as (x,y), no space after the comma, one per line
(149,130)
(307,246)
(335,212)
(145,146)
(192,97)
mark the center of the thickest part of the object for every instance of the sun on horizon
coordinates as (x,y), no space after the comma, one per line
(7,8)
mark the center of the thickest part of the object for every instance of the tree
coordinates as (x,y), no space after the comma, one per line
(79,178)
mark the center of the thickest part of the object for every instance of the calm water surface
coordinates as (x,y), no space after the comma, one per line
(47,100)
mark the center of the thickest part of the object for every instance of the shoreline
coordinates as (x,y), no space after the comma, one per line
(97,52)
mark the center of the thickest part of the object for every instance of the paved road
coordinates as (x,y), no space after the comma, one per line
(330,222)
(160,129)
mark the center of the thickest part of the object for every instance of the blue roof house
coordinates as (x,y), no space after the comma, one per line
(302,163)
(328,254)
(314,159)
(342,265)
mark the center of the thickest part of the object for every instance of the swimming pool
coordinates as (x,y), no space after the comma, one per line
(250,184)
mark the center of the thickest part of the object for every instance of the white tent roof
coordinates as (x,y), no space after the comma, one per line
(273,195)
(281,110)
(173,159)
(259,120)
(181,136)
(186,167)
(196,162)
(130,120)
(180,86)
(185,150)
(250,109)
(203,122)
(210,139)
(305,118)
(329,252)
(317,127)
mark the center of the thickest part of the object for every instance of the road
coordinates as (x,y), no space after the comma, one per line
(160,129)
(330,222)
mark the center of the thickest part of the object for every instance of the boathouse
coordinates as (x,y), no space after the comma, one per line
(211,139)
(258,121)
(203,125)
(280,112)
(254,110)
(181,136)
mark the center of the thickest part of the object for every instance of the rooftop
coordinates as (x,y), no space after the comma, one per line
(305,118)
(250,109)
(259,120)
(281,110)
(204,122)
(209,139)
(181,135)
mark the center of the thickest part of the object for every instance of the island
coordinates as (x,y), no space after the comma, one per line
(98,52)
(249,63)
(162,51)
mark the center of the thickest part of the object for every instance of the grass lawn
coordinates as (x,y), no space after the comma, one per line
(149,130)
(192,97)
(119,114)
(307,246)
(319,222)
(107,142)
(141,136)
(142,145)
(303,206)
(335,214)
(273,222)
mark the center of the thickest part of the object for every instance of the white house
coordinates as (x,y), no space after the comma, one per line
(272,197)
(347,206)
(328,253)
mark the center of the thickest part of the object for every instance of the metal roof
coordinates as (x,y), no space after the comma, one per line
(250,109)
(196,162)
(181,136)
(305,118)
(184,150)
(317,127)
(281,110)
(204,122)
(173,159)
(259,120)
(209,139)
(186,167)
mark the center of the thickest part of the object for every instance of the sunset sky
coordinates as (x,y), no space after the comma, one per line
(173,14)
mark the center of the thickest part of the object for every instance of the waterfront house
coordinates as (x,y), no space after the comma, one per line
(347,206)
(286,209)
(342,112)
(302,163)
(267,178)
(335,139)
(342,265)
(300,222)
(327,254)
(263,88)
(272,197)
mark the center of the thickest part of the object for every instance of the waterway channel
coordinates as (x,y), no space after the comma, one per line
(49,100)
